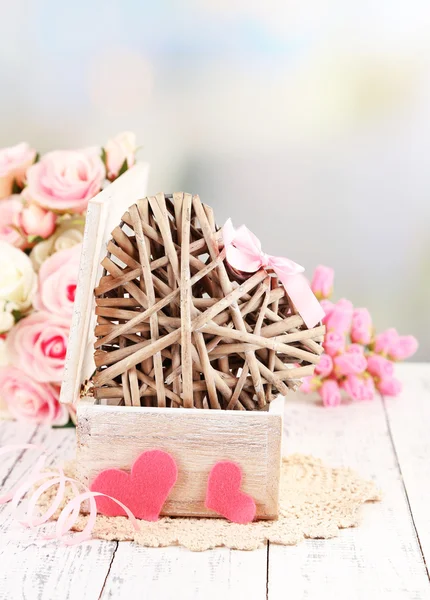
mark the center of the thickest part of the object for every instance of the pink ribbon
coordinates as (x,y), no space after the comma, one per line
(70,513)
(243,252)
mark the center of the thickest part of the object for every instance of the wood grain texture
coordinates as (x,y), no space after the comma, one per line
(178,574)
(197,439)
(104,212)
(381,558)
(30,567)
(409,422)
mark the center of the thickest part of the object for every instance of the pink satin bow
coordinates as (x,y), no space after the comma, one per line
(243,252)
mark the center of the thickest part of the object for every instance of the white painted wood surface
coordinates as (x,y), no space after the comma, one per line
(387,440)
(104,213)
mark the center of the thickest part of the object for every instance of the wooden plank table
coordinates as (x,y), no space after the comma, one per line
(387,440)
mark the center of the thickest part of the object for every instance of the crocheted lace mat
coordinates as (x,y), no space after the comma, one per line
(316,501)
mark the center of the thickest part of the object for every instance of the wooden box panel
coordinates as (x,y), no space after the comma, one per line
(113,436)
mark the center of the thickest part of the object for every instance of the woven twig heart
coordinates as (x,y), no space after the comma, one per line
(177,327)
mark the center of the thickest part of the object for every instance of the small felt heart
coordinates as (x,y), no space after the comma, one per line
(223,493)
(143,491)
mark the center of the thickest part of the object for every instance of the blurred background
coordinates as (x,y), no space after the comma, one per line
(307,120)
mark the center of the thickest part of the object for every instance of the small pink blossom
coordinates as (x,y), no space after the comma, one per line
(340,318)
(30,400)
(14,162)
(404,347)
(65,180)
(361,329)
(37,345)
(10,210)
(307,385)
(334,343)
(385,341)
(119,150)
(327,307)
(325,365)
(380,367)
(58,278)
(359,387)
(389,387)
(368,388)
(349,363)
(322,282)
(35,221)
(357,348)
(330,393)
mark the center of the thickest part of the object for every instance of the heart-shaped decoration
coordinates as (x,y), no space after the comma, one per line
(223,493)
(143,491)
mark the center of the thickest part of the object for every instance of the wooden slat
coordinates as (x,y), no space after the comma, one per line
(178,574)
(379,559)
(102,216)
(29,567)
(409,422)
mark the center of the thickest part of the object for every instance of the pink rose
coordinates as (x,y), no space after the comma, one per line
(380,367)
(65,180)
(322,282)
(325,365)
(58,277)
(35,221)
(330,393)
(334,343)
(37,345)
(340,317)
(14,162)
(403,347)
(29,400)
(120,152)
(358,387)
(389,387)
(9,216)
(350,363)
(361,329)
(385,340)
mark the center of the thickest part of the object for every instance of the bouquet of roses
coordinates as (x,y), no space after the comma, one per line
(356,360)
(42,217)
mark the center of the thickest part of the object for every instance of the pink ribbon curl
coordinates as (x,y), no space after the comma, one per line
(244,253)
(30,487)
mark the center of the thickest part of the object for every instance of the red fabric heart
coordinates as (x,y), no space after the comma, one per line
(144,491)
(223,493)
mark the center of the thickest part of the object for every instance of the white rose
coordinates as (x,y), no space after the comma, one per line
(118,150)
(69,232)
(7,319)
(18,281)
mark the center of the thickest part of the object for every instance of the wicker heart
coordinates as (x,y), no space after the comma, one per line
(223,493)
(153,474)
(178,327)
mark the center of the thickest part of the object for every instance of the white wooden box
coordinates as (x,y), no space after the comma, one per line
(113,436)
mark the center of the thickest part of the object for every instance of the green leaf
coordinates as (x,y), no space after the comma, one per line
(123,168)
(37,158)
(103,156)
(34,239)
(17,315)
(16,189)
